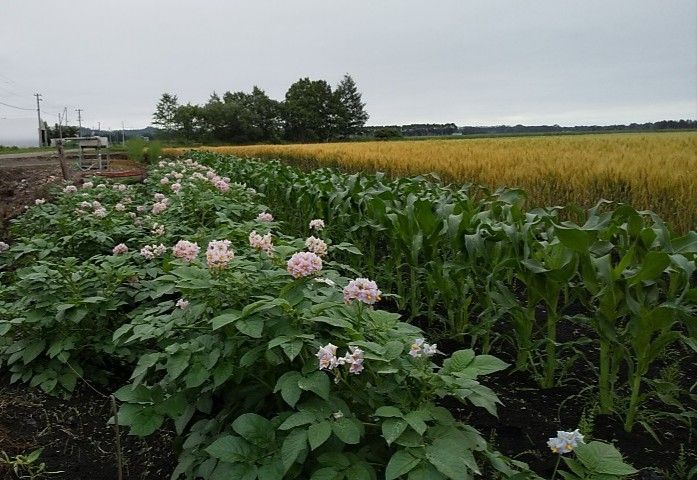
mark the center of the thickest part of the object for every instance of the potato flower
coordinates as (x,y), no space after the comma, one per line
(219,254)
(317,224)
(316,245)
(259,242)
(303,264)
(422,349)
(120,249)
(186,250)
(363,290)
(565,442)
(264,217)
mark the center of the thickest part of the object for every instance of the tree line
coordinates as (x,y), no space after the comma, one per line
(310,112)
(444,129)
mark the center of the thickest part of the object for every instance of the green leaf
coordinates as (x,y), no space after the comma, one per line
(416,421)
(225,319)
(487,364)
(347,431)
(574,238)
(392,428)
(652,266)
(333,321)
(292,349)
(603,458)
(254,428)
(288,385)
(292,447)
(388,411)
(297,419)
(458,361)
(448,459)
(33,350)
(327,473)
(318,433)
(401,463)
(252,327)
(317,382)
(230,449)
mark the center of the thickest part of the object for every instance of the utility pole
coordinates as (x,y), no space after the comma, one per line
(79,121)
(99,128)
(60,126)
(38,113)
(123,134)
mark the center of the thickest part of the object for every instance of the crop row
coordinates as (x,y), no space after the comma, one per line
(652,171)
(475,266)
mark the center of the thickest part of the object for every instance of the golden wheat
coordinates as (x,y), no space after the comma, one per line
(653,171)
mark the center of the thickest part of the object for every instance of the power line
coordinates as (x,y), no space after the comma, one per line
(18,108)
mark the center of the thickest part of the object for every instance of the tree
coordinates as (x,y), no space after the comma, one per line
(351,115)
(165,112)
(308,111)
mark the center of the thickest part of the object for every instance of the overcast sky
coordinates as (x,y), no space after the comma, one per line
(467,62)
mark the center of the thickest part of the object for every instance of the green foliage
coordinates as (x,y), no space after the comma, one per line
(26,466)
(153,151)
(596,461)
(464,259)
(135,147)
(235,370)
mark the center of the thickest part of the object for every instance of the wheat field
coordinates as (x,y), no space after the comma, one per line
(653,171)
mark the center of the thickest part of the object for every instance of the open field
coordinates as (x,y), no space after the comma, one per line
(654,171)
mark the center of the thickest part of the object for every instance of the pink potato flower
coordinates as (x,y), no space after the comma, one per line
(119,249)
(363,290)
(219,254)
(186,250)
(303,264)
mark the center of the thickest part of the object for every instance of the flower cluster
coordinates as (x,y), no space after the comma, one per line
(264,217)
(87,185)
(3,247)
(317,224)
(119,187)
(182,304)
(329,361)
(316,245)
(160,206)
(119,207)
(176,187)
(151,251)
(186,250)
(219,254)
(39,201)
(363,290)
(260,242)
(120,249)
(565,442)
(303,264)
(422,349)
(70,189)
(158,229)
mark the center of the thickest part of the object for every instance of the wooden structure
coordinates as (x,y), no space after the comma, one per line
(93,152)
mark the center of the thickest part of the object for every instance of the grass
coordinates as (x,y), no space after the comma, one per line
(652,171)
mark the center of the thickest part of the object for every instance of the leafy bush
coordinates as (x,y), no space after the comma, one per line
(135,147)
(232,348)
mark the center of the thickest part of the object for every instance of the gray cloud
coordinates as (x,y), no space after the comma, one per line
(466,62)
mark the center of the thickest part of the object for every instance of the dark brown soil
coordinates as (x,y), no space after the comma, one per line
(76,438)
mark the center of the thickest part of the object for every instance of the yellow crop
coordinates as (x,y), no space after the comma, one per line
(653,171)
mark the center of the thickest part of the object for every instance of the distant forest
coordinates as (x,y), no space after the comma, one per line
(447,129)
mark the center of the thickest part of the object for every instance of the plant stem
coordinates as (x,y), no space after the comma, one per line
(556,466)
(551,360)
(604,381)
(633,402)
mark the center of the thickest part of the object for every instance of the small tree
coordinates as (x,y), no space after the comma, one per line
(165,112)
(351,115)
